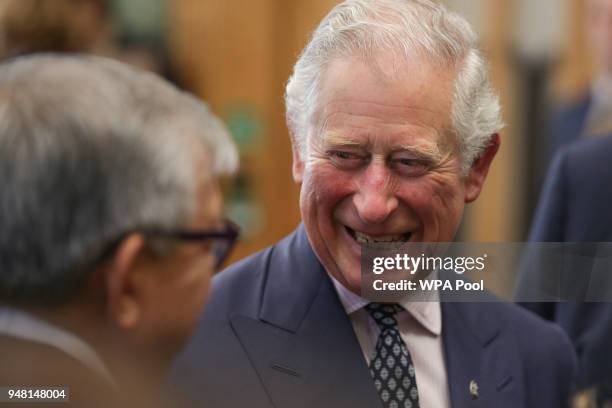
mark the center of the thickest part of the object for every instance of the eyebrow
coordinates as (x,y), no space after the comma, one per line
(425,151)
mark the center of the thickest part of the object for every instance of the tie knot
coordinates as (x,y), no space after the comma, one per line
(384,313)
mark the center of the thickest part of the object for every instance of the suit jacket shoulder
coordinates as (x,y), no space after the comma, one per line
(29,364)
(275,323)
(574,205)
(275,334)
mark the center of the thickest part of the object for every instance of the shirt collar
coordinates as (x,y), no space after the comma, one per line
(19,324)
(427,314)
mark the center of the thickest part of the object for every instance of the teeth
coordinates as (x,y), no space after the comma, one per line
(365,239)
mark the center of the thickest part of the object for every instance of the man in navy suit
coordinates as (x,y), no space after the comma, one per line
(394,126)
(589,115)
(575,207)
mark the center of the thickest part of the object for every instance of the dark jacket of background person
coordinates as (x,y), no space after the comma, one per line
(565,126)
(587,115)
(575,206)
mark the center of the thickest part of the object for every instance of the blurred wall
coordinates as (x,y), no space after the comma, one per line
(238,55)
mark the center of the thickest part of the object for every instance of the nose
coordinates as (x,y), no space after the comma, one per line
(374,198)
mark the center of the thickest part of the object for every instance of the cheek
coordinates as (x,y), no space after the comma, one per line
(190,285)
(434,199)
(196,280)
(322,188)
(190,294)
(450,196)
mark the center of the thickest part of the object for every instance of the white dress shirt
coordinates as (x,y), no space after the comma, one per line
(420,326)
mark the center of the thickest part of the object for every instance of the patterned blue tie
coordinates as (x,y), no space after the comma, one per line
(391,366)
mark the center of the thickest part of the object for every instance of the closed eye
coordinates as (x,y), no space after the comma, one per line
(342,155)
(408,162)
(410,167)
(346,160)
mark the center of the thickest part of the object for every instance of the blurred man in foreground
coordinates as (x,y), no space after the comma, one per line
(110,224)
(394,126)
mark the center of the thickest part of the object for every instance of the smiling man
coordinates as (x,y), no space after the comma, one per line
(394,126)
(383,164)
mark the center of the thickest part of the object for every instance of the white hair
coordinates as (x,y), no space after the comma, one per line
(402,28)
(91,149)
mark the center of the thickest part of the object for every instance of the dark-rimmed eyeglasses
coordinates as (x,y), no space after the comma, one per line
(223,239)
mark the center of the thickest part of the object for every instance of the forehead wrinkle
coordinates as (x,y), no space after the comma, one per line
(364,109)
(350,128)
(324,128)
(352,124)
(331,137)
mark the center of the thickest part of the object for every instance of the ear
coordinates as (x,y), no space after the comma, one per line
(480,168)
(298,165)
(123,306)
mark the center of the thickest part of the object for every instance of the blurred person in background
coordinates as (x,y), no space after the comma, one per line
(31,26)
(394,125)
(590,116)
(73,26)
(110,223)
(575,207)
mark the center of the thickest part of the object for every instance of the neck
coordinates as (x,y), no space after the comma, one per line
(131,364)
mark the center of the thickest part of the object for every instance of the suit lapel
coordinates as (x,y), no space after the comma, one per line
(477,352)
(305,352)
(303,346)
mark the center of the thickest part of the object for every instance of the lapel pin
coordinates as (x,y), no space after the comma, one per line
(474,389)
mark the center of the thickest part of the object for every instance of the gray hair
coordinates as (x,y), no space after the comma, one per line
(402,28)
(91,149)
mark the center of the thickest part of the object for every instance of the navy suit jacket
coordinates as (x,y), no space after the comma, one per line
(274,334)
(576,206)
(563,126)
(567,124)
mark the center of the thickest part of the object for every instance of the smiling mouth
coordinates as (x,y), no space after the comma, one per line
(362,238)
